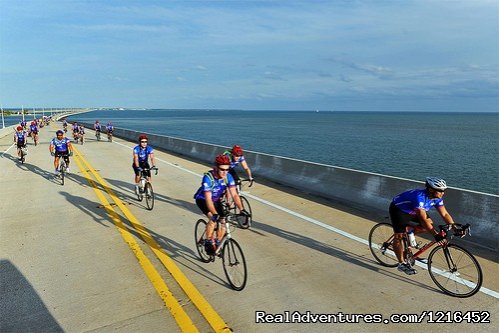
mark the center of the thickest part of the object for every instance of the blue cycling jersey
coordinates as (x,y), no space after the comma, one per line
(109,127)
(20,136)
(233,162)
(61,145)
(33,128)
(410,201)
(143,153)
(216,186)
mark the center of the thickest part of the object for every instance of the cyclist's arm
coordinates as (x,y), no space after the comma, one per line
(209,203)
(70,147)
(235,196)
(153,160)
(247,169)
(136,160)
(51,147)
(426,222)
(445,214)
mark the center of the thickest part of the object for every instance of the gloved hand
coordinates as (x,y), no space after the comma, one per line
(52,153)
(70,153)
(214,218)
(440,236)
(140,169)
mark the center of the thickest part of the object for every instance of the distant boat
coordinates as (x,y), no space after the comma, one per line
(316,110)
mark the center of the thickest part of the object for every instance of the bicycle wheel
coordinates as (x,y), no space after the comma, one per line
(234,264)
(199,237)
(244,221)
(455,270)
(149,194)
(63,172)
(381,244)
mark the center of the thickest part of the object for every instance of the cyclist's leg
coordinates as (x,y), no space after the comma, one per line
(145,165)
(234,175)
(137,176)
(56,162)
(66,159)
(210,226)
(399,222)
(221,212)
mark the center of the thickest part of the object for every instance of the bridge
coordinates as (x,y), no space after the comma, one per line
(87,256)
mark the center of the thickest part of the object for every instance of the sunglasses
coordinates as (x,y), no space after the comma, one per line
(143,141)
(221,169)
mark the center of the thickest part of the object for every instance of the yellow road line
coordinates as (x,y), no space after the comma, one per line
(183,320)
(211,316)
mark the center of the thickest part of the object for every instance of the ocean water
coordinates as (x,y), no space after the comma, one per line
(460,147)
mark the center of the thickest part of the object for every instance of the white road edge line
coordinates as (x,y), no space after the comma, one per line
(8,149)
(323,225)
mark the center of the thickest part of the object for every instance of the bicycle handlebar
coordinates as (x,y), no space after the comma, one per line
(149,169)
(247,180)
(460,230)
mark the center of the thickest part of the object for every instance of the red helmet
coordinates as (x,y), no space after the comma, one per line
(222,160)
(237,150)
(19,128)
(143,137)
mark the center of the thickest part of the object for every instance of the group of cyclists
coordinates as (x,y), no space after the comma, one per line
(25,131)
(217,183)
(78,130)
(221,182)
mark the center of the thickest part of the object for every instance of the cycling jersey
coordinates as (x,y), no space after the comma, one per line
(33,128)
(20,136)
(410,201)
(233,162)
(97,127)
(109,128)
(143,153)
(81,130)
(61,145)
(217,187)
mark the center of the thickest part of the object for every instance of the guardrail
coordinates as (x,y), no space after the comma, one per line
(363,190)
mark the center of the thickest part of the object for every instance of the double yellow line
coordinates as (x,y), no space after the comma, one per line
(182,318)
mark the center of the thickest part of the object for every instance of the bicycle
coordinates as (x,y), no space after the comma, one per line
(62,167)
(24,152)
(110,136)
(232,255)
(97,135)
(451,267)
(244,221)
(145,188)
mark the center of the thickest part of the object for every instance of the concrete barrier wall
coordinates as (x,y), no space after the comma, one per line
(366,191)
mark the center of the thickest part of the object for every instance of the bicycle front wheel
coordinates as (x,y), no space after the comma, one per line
(234,265)
(199,237)
(63,172)
(455,270)
(381,244)
(149,194)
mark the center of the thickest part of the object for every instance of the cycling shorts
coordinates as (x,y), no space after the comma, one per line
(21,144)
(62,153)
(204,208)
(400,220)
(143,165)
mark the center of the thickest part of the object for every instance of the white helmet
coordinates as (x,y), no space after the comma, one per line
(436,183)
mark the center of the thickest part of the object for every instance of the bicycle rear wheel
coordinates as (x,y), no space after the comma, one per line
(234,265)
(199,237)
(244,221)
(381,244)
(455,270)
(149,194)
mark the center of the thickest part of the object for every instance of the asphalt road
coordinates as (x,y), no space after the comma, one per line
(87,256)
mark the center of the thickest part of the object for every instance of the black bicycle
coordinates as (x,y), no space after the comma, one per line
(229,250)
(452,268)
(244,221)
(24,152)
(63,167)
(145,188)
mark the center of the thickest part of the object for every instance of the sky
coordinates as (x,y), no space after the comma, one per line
(256,55)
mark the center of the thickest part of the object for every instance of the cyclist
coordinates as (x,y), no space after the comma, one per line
(81,133)
(236,156)
(141,154)
(60,146)
(109,129)
(208,198)
(33,129)
(75,128)
(20,139)
(97,128)
(65,126)
(413,205)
